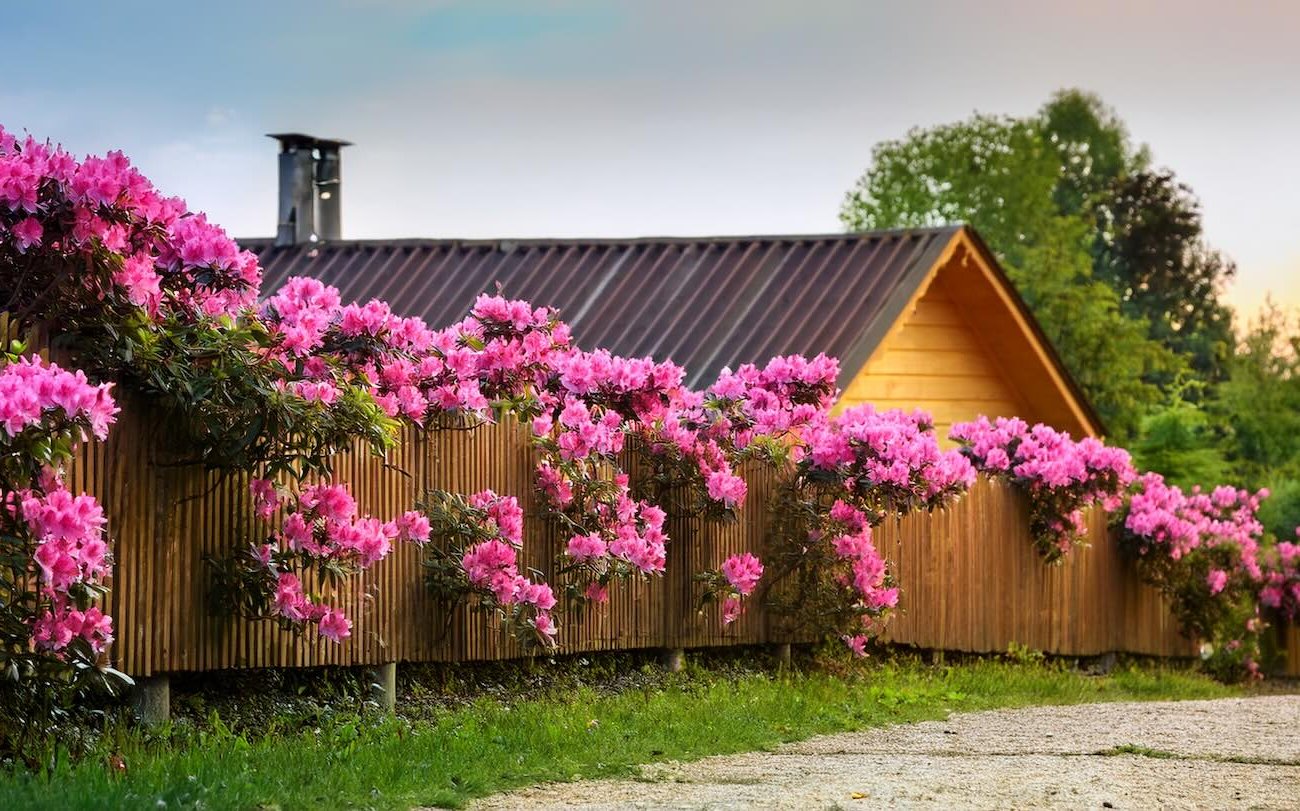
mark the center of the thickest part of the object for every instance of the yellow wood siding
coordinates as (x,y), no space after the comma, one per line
(936,360)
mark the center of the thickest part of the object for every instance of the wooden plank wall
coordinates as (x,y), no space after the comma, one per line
(970,578)
(971,581)
(937,361)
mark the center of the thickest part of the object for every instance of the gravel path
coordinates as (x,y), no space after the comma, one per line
(1228,753)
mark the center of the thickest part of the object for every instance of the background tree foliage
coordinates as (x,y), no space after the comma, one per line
(1110,254)
(1026,188)
(1148,247)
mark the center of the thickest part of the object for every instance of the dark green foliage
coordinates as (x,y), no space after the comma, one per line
(1149,248)
(1178,442)
(1280,512)
(1258,408)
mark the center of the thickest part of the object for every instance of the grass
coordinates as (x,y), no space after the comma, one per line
(450,754)
(1161,754)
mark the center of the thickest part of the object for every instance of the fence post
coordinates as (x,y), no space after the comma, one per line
(151,698)
(383,686)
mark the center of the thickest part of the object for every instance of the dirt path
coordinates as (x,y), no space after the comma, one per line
(1229,753)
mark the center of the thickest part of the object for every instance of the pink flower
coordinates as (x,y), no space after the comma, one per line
(140,279)
(27,234)
(726,488)
(1216,580)
(54,630)
(413,526)
(265,497)
(584,548)
(329,501)
(290,602)
(857,644)
(537,594)
(335,626)
(545,625)
(731,610)
(743,572)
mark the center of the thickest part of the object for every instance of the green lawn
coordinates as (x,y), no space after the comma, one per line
(447,756)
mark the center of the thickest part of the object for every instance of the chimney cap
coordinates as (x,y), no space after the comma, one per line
(297,140)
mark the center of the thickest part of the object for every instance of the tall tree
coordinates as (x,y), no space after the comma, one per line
(1149,248)
(1258,406)
(1000,175)
(1093,146)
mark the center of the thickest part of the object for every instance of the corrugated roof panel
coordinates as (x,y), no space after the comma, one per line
(705,303)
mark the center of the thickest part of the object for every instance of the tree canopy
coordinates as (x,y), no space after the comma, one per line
(1108,252)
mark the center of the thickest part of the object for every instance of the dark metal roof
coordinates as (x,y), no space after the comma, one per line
(704,303)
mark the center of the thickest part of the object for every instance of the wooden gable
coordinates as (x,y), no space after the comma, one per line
(963,346)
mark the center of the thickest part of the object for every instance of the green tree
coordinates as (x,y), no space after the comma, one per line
(1000,175)
(1093,146)
(1178,441)
(1149,248)
(1258,406)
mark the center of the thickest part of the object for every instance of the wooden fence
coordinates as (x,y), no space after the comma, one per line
(970,578)
(969,575)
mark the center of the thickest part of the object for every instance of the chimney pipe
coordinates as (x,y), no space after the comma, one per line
(310,189)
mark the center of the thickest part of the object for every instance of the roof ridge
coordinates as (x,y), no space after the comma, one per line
(643,240)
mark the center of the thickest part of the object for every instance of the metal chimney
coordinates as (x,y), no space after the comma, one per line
(310,189)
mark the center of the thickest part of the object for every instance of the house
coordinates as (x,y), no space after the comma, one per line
(918,317)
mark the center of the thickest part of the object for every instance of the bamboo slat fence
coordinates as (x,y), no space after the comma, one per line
(970,578)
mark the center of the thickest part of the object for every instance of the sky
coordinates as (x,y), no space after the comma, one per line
(661,117)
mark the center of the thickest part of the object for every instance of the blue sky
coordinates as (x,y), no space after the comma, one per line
(482,119)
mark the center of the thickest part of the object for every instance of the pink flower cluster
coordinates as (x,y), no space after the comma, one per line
(47,408)
(624,538)
(54,630)
(322,529)
(1164,520)
(742,573)
(498,352)
(890,459)
(1204,550)
(69,531)
(785,396)
(70,209)
(35,393)
(491,567)
(850,534)
(71,553)
(1062,476)
(1280,589)
(751,413)
(293,604)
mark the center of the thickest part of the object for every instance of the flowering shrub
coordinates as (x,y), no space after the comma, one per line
(1280,591)
(1202,550)
(321,539)
(477,555)
(731,584)
(855,471)
(54,553)
(144,291)
(1061,476)
(692,453)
